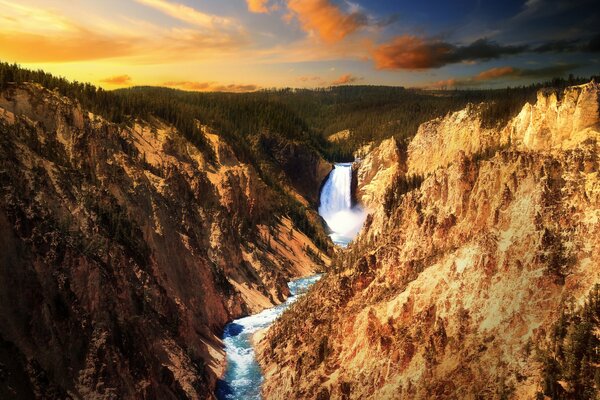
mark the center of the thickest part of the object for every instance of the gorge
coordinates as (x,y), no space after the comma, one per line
(243,377)
(153,247)
(476,272)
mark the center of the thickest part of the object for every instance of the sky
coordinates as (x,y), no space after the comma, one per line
(246,45)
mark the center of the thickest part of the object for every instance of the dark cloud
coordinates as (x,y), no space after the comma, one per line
(411,52)
(559,46)
(563,46)
(414,53)
(505,73)
(482,49)
(546,72)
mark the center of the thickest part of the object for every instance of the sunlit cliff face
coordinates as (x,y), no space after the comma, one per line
(242,46)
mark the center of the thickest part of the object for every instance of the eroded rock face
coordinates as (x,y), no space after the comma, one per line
(124,253)
(375,171)
(443,296)
(304,168)
(554,123)
(441,141)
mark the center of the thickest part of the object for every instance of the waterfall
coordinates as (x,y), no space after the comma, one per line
(343,220)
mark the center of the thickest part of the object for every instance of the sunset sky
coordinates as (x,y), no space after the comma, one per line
(243,45)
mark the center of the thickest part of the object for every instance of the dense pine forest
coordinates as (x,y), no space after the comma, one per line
(310,116)
(252,122)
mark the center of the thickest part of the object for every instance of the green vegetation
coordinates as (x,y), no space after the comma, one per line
(401,185)
(570,357)
(248,121)
(372,113)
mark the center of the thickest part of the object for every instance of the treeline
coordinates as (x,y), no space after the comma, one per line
(401,185)
(371,113)
(375,113)
(112,106)
(240,120)
(571,357)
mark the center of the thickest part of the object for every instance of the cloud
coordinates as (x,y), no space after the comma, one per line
(210,86)
(33,34)
(81,45)
(346,79)
(118,80)
(309,78)
(36,35)
(414,53)
(503,73)
(326,19)
(258,6)
(187,14)
(495,73)
(574,45)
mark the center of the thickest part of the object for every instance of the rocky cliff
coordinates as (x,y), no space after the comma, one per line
(125,250)
(459,277)
(375,171)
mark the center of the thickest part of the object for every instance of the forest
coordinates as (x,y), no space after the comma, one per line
(247,120)
(310,116)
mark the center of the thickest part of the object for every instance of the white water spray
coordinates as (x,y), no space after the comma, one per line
(343,220)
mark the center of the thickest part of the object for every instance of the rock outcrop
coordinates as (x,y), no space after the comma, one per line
(375,171)
(124,253)
(446,293)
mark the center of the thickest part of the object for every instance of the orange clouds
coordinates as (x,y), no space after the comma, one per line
(414,53)
(119,80)
(210,87)
(80,45)
(477,80)
(258,6)
(494,73)
(409,52)
(346,79)
(313,78)
(38,35)
(325,19)
(500,73)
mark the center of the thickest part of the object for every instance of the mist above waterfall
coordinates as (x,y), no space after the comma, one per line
(343,220)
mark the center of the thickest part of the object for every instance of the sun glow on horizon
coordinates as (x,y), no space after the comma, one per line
(247,45)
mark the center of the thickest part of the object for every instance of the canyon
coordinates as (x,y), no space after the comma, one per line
(126,250)
(479,240)
(134,254)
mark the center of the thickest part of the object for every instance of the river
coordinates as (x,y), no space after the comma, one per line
(243,377)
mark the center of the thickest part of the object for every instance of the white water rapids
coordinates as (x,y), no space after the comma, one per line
(343,220)
(243,376)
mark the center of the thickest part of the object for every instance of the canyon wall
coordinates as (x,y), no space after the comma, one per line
(125,251)
(375,170)
(459,276)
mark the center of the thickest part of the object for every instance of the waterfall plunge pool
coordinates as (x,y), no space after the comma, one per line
(243,376)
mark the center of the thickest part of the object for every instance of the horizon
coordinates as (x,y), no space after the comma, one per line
(571,80)
(249,45)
